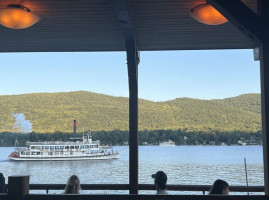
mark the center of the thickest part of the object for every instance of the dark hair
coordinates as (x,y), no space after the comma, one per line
(160,179)
(218,187)
(72,186)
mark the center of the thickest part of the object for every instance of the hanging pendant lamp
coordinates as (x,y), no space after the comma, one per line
(17,17)
(207,14)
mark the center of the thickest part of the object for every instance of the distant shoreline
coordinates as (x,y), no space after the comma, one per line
(145,138)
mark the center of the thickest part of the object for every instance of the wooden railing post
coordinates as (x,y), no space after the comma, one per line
(18,187)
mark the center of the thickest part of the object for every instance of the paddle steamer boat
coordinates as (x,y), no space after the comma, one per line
(77,149)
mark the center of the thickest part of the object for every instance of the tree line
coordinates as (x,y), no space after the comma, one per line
(146,137)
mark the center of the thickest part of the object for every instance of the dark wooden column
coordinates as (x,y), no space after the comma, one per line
(133,115)
(264,70)
(123,15)
(256,28)
(18,187)
(263,8)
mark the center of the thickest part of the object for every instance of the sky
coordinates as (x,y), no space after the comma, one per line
(164,75)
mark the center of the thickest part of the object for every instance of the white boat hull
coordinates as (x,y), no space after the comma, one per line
(170,143)
(69,158)
(167,145)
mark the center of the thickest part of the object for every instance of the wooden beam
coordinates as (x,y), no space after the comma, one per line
(263,8)
(196,188)
(132,62)
(242,17)
(123,16)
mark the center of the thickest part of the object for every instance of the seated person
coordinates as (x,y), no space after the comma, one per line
(72,186)
(160,179)
(220,187)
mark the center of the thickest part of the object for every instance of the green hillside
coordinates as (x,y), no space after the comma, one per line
(55,112)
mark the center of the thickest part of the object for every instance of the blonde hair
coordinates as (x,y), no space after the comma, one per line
(72,186)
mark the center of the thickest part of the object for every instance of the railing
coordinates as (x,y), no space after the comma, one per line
(18,189)
(193,188)
(144,197)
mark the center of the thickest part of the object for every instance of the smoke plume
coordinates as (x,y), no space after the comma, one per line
(25,126)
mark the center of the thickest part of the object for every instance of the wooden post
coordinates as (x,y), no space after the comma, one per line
(263,8)
(18,187)
(123,14)
(132,62)
(256,27)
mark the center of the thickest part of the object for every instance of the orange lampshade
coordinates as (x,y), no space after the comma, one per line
(207,14)
(17,17)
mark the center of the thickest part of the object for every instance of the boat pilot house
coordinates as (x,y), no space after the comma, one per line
(134,26)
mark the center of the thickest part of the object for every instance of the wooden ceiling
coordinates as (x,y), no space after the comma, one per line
(92,25)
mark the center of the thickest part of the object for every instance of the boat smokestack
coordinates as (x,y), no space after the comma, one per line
(30,137)
(75,128)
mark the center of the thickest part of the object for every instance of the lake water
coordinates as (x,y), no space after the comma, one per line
(197,165)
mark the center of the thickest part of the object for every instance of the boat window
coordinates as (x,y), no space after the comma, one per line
(38,147)
(47,147)
(32,147)
(72,147)
(52,147)
(87,146)
(66,147)
(81,147)
(43,147)
(61,147)
(57,147)
(77,147)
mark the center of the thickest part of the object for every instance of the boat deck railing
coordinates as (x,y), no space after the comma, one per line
(144,187)
(60,143)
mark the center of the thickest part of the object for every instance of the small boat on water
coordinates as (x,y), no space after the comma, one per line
(242,143)
(77,149)
(170,143)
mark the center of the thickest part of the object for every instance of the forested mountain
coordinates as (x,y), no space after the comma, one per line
(55,112)
(247,102)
